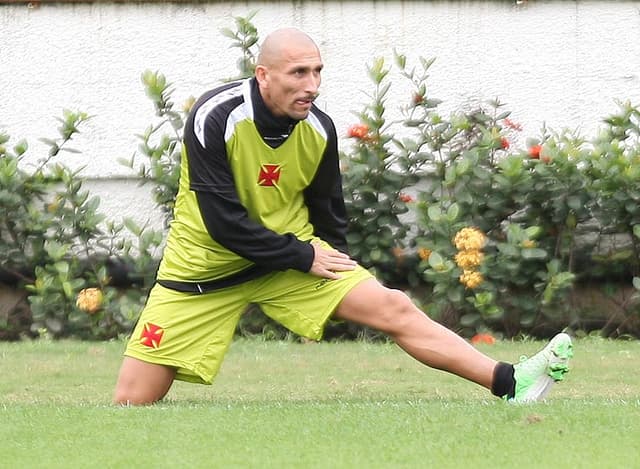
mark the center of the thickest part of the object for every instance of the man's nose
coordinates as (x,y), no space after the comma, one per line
(312,83)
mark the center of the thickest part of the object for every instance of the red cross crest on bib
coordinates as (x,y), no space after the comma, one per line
(269,175)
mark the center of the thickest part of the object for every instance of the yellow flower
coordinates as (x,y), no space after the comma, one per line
(471,279)
(469,259)
(188,104)
(469,239)
(424,253)
(89,300)
(527,243)
(53,206)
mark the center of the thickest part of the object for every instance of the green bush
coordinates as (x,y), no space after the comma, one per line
(484,235)
(544,212)
(375,182)
(411,185)
(56,244)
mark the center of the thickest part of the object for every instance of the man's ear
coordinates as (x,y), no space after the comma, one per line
(261,74)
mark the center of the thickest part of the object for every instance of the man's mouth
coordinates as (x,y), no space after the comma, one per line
(306,100)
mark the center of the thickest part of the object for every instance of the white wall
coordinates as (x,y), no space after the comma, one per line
(562,62)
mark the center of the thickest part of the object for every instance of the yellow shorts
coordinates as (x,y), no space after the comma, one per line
(192,332)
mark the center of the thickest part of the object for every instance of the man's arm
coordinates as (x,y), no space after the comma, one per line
(228,223)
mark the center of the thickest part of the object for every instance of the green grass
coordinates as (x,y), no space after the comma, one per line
(346,405)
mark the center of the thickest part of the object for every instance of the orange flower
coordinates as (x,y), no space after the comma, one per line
(471,279)
(534,151)
(512,125)
(359,131)
(469,259)
(469,238)
(406,198)
(504,143)
(424,253)
(483,339)
(89,300)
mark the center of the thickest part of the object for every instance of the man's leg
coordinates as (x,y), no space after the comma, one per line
(140,382)
(393,312)
(178,336)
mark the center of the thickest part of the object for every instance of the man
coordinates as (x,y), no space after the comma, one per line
(260,218)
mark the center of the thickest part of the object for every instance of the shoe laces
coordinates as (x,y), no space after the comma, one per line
(555,370)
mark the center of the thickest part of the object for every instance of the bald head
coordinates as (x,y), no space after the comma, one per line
(288,72)
(278,45)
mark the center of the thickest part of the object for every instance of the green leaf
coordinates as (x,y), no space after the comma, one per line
(62,268)
(56,250)
(507,249)
(21,147)
(435,260)
(450,175)
(463,166)
(228,33)
(431,103)
(454,295)
(527,319)
(132,226)
(574,202)
(534,253)
(93,203)
(470,319)
(494,311)
(354,237)
(68,289)
(401,59)
(434,213)
(533,231)
(426,63)
(453,212)
(564,279)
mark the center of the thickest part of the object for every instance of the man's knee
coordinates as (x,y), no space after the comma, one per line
(379,307)
(395,311)
(141,383)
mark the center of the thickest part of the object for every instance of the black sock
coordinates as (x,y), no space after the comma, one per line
(504,384)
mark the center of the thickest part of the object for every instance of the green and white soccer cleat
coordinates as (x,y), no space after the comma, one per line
(535,376)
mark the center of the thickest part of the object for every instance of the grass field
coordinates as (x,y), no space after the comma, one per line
(344,405)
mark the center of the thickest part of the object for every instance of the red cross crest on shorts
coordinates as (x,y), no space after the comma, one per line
(151,335)
(269,175)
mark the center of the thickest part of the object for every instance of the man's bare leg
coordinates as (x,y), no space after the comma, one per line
(393,312)
(141,383)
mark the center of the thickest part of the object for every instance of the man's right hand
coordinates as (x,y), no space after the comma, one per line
(327,262)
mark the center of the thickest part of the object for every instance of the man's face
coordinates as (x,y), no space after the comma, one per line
(290,84)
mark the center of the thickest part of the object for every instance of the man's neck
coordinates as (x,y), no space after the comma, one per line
(273,129)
